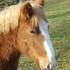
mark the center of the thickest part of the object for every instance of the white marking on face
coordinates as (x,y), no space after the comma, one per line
(43,25)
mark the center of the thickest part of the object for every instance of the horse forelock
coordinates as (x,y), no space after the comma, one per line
(9,17)
(38,14)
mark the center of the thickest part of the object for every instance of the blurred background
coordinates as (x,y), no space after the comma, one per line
(58,13)
(4,3)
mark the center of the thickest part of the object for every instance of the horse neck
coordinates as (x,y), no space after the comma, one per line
(11,36)
(8,44)
(14,35)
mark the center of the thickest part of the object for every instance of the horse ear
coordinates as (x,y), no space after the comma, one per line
(40,2)
(27,10)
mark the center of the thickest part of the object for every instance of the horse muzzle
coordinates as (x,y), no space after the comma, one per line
(47,68)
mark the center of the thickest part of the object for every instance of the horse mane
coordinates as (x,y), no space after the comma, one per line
(9,18)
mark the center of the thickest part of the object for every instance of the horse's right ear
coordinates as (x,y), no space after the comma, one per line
(26,11)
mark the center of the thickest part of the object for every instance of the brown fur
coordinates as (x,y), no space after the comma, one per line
(40,2)
(16,22)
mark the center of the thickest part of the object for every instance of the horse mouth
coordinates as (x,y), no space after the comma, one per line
(47,68)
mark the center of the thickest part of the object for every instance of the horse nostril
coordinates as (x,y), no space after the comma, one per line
(48,67)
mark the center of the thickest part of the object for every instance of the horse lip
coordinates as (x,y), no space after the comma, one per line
(47,68)
(53,64)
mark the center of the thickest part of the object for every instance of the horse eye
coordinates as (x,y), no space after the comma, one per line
(33,32)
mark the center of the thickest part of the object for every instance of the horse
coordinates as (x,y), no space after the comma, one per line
(24,31)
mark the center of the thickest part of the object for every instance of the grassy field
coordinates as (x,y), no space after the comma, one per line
(58,12)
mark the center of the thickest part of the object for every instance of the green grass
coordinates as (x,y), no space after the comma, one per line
(58,13)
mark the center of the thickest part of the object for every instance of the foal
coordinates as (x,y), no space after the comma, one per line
(24,30)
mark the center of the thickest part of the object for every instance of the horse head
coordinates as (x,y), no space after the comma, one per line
(33,37)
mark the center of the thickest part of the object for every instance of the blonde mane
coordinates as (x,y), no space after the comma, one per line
(9,18)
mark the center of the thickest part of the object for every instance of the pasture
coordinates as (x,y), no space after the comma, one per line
(58,13)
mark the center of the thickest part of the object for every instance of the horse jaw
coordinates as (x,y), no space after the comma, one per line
(43,25)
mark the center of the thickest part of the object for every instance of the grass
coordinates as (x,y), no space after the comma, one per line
(58,13)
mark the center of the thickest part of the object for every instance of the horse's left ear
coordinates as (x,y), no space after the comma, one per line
(27,11)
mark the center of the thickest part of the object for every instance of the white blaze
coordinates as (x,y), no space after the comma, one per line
(43,25)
